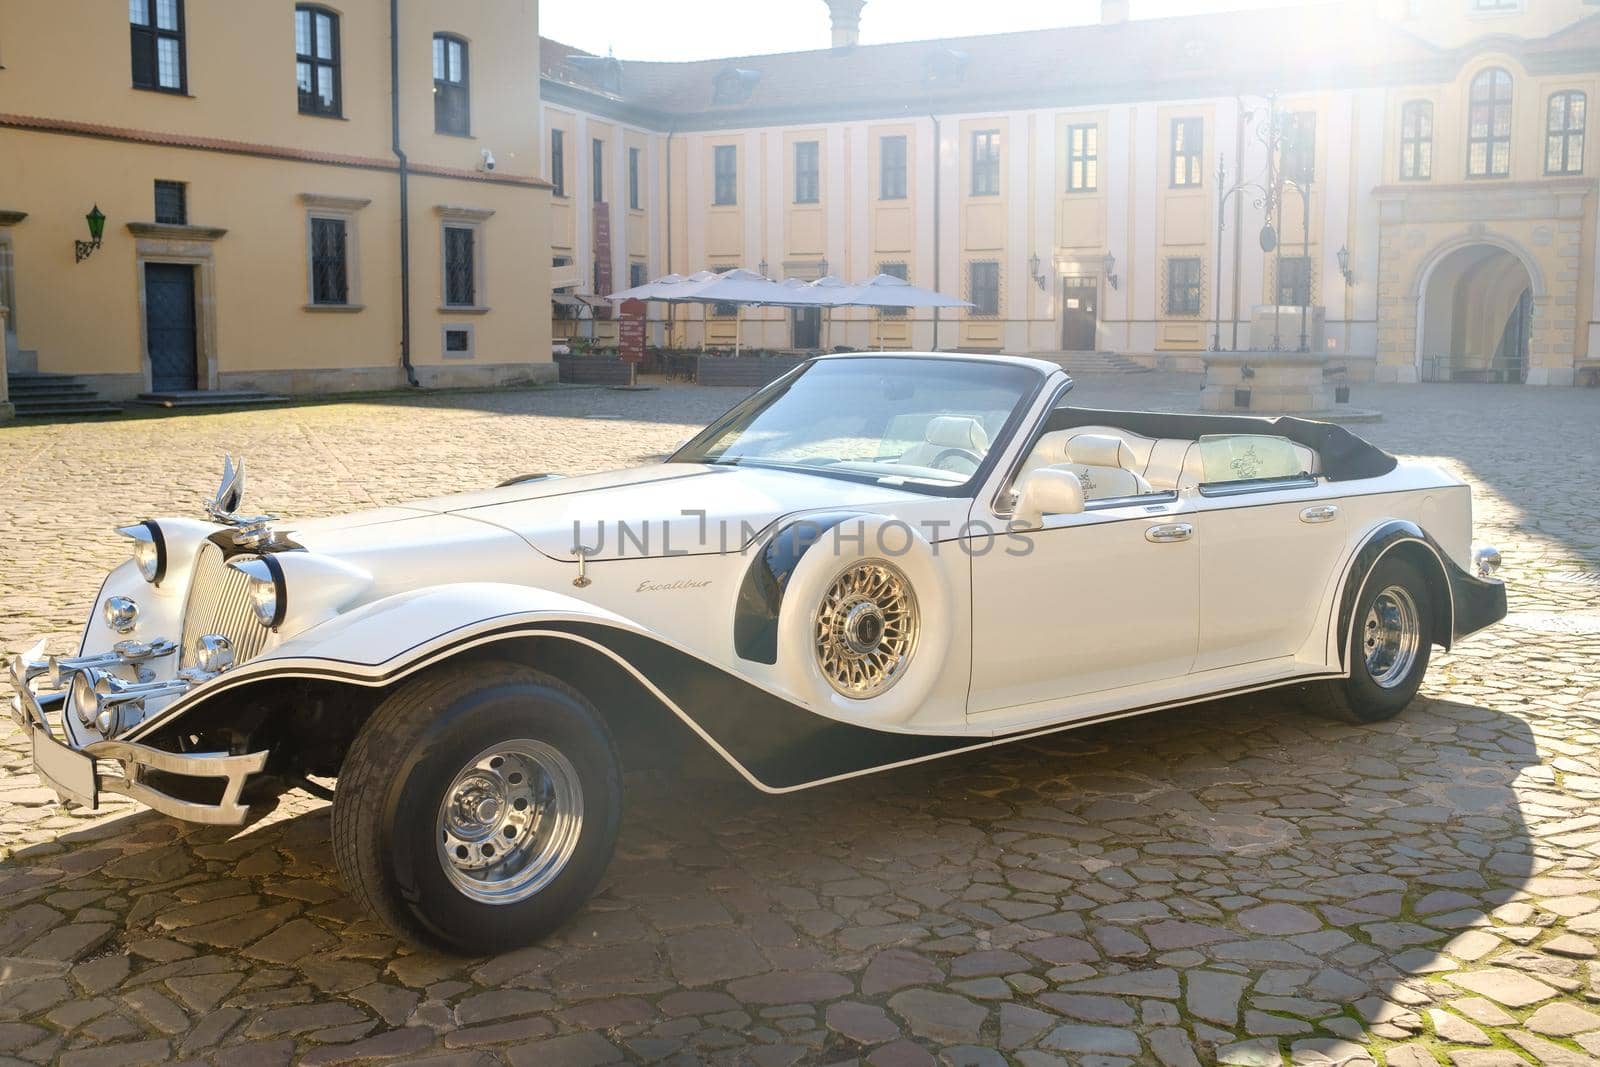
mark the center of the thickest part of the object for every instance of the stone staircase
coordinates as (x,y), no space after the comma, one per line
(1096,363)
(50,396)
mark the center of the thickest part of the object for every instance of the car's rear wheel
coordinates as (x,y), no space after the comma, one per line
(1389,645)
(478,807)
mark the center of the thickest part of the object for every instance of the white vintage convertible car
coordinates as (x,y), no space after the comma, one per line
(877,560)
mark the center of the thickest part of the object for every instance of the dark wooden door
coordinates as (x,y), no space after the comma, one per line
(807,327)
(169,321)
(1080,298)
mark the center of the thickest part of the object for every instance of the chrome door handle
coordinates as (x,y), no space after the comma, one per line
(1320,513)
(1168,532)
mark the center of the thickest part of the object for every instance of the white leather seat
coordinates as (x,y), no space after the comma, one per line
(1101,462)
(943,433)
(1165,463)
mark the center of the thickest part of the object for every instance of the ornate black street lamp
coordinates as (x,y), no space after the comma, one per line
(97,226)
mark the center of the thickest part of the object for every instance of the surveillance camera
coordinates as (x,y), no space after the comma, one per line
(487,163)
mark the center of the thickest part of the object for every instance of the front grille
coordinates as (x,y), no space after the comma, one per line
(219,603)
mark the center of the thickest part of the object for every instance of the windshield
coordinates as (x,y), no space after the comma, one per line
(921,423)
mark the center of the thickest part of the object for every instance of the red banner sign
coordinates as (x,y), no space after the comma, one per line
(630,332)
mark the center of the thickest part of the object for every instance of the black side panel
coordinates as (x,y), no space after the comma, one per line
(781,744)
(755,620)
(1344,455)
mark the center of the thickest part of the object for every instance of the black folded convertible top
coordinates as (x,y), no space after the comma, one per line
(1345,457)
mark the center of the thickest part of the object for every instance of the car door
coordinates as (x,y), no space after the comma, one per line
(1267,553)
(1094,601)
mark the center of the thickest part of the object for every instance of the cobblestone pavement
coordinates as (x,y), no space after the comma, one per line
(1237,882)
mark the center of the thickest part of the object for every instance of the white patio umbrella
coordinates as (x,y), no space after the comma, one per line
(887,291)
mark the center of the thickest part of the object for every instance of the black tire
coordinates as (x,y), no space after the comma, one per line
(1363,697)
(387,806)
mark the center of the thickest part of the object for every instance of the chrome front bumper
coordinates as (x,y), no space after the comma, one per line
(74,773)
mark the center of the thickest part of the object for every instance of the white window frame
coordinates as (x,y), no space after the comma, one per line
(467,218)
(343,209)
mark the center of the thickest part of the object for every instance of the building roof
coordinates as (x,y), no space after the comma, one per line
(1288,49)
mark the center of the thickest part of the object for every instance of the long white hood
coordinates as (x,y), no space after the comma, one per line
(661,510)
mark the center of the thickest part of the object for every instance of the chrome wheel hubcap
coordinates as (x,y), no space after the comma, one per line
(510,821)
(866,629)
(1391,636)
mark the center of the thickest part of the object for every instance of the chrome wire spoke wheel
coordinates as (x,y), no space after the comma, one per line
(1390,636)
(510,821)
(866,628)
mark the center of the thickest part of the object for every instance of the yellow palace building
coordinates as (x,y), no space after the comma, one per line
(1439,224)
(288,197)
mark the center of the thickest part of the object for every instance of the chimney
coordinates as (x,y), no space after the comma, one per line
(1113,12)
(846,21)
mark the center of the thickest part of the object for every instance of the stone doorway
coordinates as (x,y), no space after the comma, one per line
(1475,317)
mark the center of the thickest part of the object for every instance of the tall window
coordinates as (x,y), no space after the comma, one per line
(892,168)
(558,162)
(636,274)
(172,203)
(452,105)
(983,286)
(986,163)
(316,60)
(1563,139)
(460,266)
(1489,125)
(1300,146)
(1185,285)
(1294,281)
(725,174)
(330,270)
(894,270)
(597,170)
(1083,158)
(1416,141)
(634,202)
(1188,139)
(807,173)
(155,30)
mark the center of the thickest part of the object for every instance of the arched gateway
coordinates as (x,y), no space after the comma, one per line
(1476,302)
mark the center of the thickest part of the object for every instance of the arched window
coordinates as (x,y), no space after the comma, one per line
(452,106)
(316,59)
(1416,141)
(1563,137)
(1489,125)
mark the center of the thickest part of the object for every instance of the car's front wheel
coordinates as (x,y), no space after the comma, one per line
(478,807)
(1390,640)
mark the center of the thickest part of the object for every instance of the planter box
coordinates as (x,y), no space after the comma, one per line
(747,371)
(592,370)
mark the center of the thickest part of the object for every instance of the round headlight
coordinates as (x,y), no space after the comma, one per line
(120,613)
(268,597)
(1487,558)
(149,549)
(213,653)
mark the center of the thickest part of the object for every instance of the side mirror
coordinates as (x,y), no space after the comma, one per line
(1047,491)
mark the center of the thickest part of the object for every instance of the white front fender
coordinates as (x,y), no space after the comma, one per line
(371,644)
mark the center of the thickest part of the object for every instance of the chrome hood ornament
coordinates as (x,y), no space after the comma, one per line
(224,503)
(254,531)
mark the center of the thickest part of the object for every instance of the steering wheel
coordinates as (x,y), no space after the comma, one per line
(957,461)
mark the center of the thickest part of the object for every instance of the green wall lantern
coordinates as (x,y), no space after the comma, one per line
(97,227)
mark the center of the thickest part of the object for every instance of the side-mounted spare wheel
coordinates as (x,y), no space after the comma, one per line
(478,807)
(1390,637)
